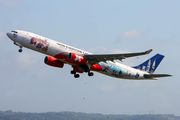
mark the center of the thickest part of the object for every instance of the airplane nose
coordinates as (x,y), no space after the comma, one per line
(8,34)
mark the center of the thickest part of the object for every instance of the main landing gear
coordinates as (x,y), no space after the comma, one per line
(77,75)
(90,73)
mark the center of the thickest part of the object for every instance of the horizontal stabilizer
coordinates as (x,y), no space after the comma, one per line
(156,75)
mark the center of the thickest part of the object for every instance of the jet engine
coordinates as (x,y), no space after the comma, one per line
(77,59)
(53,62)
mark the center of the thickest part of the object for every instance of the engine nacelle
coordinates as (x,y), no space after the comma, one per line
(77,59)
(96,67)
(53,62)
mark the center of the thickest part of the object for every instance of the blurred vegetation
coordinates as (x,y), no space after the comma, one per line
(80,116)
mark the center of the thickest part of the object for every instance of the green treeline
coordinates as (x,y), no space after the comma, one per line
(79,116)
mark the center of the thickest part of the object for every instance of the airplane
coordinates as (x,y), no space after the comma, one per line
(82,61)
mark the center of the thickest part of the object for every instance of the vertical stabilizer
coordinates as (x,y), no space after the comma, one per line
(151,64)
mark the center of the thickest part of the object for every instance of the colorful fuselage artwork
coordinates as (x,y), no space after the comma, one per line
(40,44)
(115,71)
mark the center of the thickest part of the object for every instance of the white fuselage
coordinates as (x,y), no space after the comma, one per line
(53,48)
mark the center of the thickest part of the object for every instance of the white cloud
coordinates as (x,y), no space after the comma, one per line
(32,61)
(103,50)
(132,34)
(137,84)
(96,50)
(107,88)
(116,51)
(2,35)
(10,3)
(43,74)
(28,60)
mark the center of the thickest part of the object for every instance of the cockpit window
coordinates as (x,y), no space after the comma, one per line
(14,31)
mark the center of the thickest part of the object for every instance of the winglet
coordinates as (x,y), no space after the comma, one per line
(148,51)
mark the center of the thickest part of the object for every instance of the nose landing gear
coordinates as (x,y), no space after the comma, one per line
(20,50)
(16,43)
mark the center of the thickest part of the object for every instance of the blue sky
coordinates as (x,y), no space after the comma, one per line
(102,26)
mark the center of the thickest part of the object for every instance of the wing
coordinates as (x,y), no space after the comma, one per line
(104,57)
(151,76)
